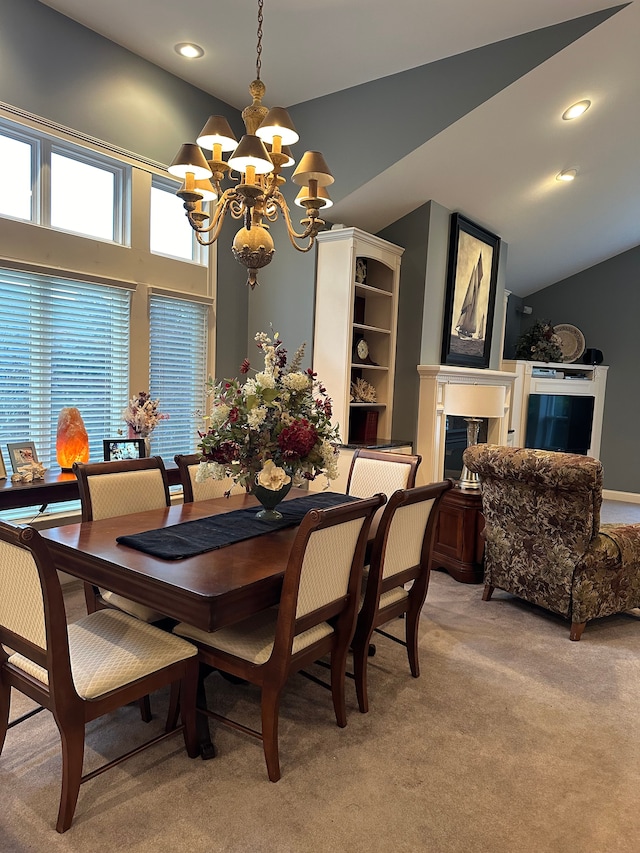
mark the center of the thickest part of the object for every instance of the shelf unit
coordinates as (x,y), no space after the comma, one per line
(579,379)
(357,298)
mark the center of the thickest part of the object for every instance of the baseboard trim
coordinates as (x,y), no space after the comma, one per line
(627,497)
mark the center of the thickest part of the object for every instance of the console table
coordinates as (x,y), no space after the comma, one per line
(459,546)
(56,487)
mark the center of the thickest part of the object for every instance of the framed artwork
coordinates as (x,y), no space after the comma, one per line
(3,470)
(472,274)
(123,448)
(21,453)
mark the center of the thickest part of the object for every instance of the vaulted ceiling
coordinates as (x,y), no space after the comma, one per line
(449,113)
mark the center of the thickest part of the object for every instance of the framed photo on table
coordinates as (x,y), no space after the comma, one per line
(123,448)
(472,275)
(21,453)
(3,470)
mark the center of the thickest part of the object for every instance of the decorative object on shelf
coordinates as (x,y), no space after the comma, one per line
(72,441)
(364,427)
(363,392)
(472,276)
(361,270)
(124,448)
(28,473)
(592,356)
(572,342)
(3,470)
(539,343)
(473,403)
(273,430)
(21,453)
(361,352)
(257,195)
(142,416)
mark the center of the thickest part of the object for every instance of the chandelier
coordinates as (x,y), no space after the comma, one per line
(259,158)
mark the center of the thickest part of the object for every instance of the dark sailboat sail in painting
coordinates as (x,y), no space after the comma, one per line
(467,325)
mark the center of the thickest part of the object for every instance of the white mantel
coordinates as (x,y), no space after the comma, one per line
(432,418)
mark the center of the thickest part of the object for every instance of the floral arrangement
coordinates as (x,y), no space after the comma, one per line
(272,430)
(142,415)
(539,343)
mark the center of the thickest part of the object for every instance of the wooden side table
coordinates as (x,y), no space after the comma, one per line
(459,547)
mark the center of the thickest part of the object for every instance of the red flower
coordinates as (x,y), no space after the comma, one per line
(224,453)
(244,367)
(298,439)
(234,414)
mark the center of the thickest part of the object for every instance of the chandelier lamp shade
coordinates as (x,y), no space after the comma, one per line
(255,197)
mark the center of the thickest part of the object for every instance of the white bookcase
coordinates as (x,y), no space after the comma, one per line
(357,299)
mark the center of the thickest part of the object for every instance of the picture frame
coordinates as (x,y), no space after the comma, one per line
(123,448)
(472,275)
(21,453)
(3,470)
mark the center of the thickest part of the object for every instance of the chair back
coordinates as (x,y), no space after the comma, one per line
(375,471)
(32,615)
(404,540)
(324,573)
(121,487)
(541,510)
(188,464)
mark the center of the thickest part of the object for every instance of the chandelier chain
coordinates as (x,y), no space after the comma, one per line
(259,45)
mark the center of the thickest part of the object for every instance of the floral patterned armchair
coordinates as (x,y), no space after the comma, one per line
(544,542)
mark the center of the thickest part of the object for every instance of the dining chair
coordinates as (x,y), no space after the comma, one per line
(192,490)
(83,670)
(400,555)
(121,487)
(375,471)
(315,617)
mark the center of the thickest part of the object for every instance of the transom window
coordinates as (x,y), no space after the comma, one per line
(171,233)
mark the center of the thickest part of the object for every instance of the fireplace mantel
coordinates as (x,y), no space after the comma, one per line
(432,418)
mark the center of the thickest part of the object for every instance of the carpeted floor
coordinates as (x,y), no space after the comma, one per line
(513,739)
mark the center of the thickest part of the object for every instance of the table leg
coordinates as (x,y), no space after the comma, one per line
(207,749)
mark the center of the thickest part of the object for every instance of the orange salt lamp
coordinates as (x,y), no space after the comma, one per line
(72,441)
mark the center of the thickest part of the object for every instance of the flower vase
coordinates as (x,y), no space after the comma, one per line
(270,498)
(145,438)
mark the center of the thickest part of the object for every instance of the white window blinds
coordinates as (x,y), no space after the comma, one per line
(62,343)
(178,359)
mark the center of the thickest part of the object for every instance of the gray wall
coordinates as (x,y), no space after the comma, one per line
(604,303)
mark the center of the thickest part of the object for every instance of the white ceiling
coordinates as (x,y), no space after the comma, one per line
(497,164)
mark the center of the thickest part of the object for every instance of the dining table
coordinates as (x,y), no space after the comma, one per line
(208,590)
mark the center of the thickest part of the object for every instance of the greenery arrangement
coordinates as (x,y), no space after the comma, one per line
(539,343)
(272,430)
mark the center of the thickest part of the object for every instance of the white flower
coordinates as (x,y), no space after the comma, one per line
(296,381)
(265,380)
(272,477)
(256,416)
(250,387)
(219,414)
(329,459)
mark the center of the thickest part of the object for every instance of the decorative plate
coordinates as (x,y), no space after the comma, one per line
(571,341)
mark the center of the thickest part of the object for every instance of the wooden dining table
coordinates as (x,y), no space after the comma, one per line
(209,590)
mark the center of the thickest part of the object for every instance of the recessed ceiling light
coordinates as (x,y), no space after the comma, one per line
(576,110)
(567,175)
(189,50)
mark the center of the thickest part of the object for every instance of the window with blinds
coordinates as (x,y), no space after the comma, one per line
(63,343)
(178,366)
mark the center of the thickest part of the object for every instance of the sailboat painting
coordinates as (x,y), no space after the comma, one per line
(471,291)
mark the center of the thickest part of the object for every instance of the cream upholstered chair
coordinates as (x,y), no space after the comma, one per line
(316,616)
(375,471)
(401,554)
(192,490)
(83,670)
(122,487)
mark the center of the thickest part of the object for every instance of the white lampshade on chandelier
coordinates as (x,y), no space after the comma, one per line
(473,403)
(259,158)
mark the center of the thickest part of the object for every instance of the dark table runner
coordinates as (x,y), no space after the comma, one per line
(207,534)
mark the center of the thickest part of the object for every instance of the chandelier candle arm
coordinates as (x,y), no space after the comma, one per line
(259,157)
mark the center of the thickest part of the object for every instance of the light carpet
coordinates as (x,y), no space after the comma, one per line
(513,739)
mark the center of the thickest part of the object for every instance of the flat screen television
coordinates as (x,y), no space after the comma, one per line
(560,422)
